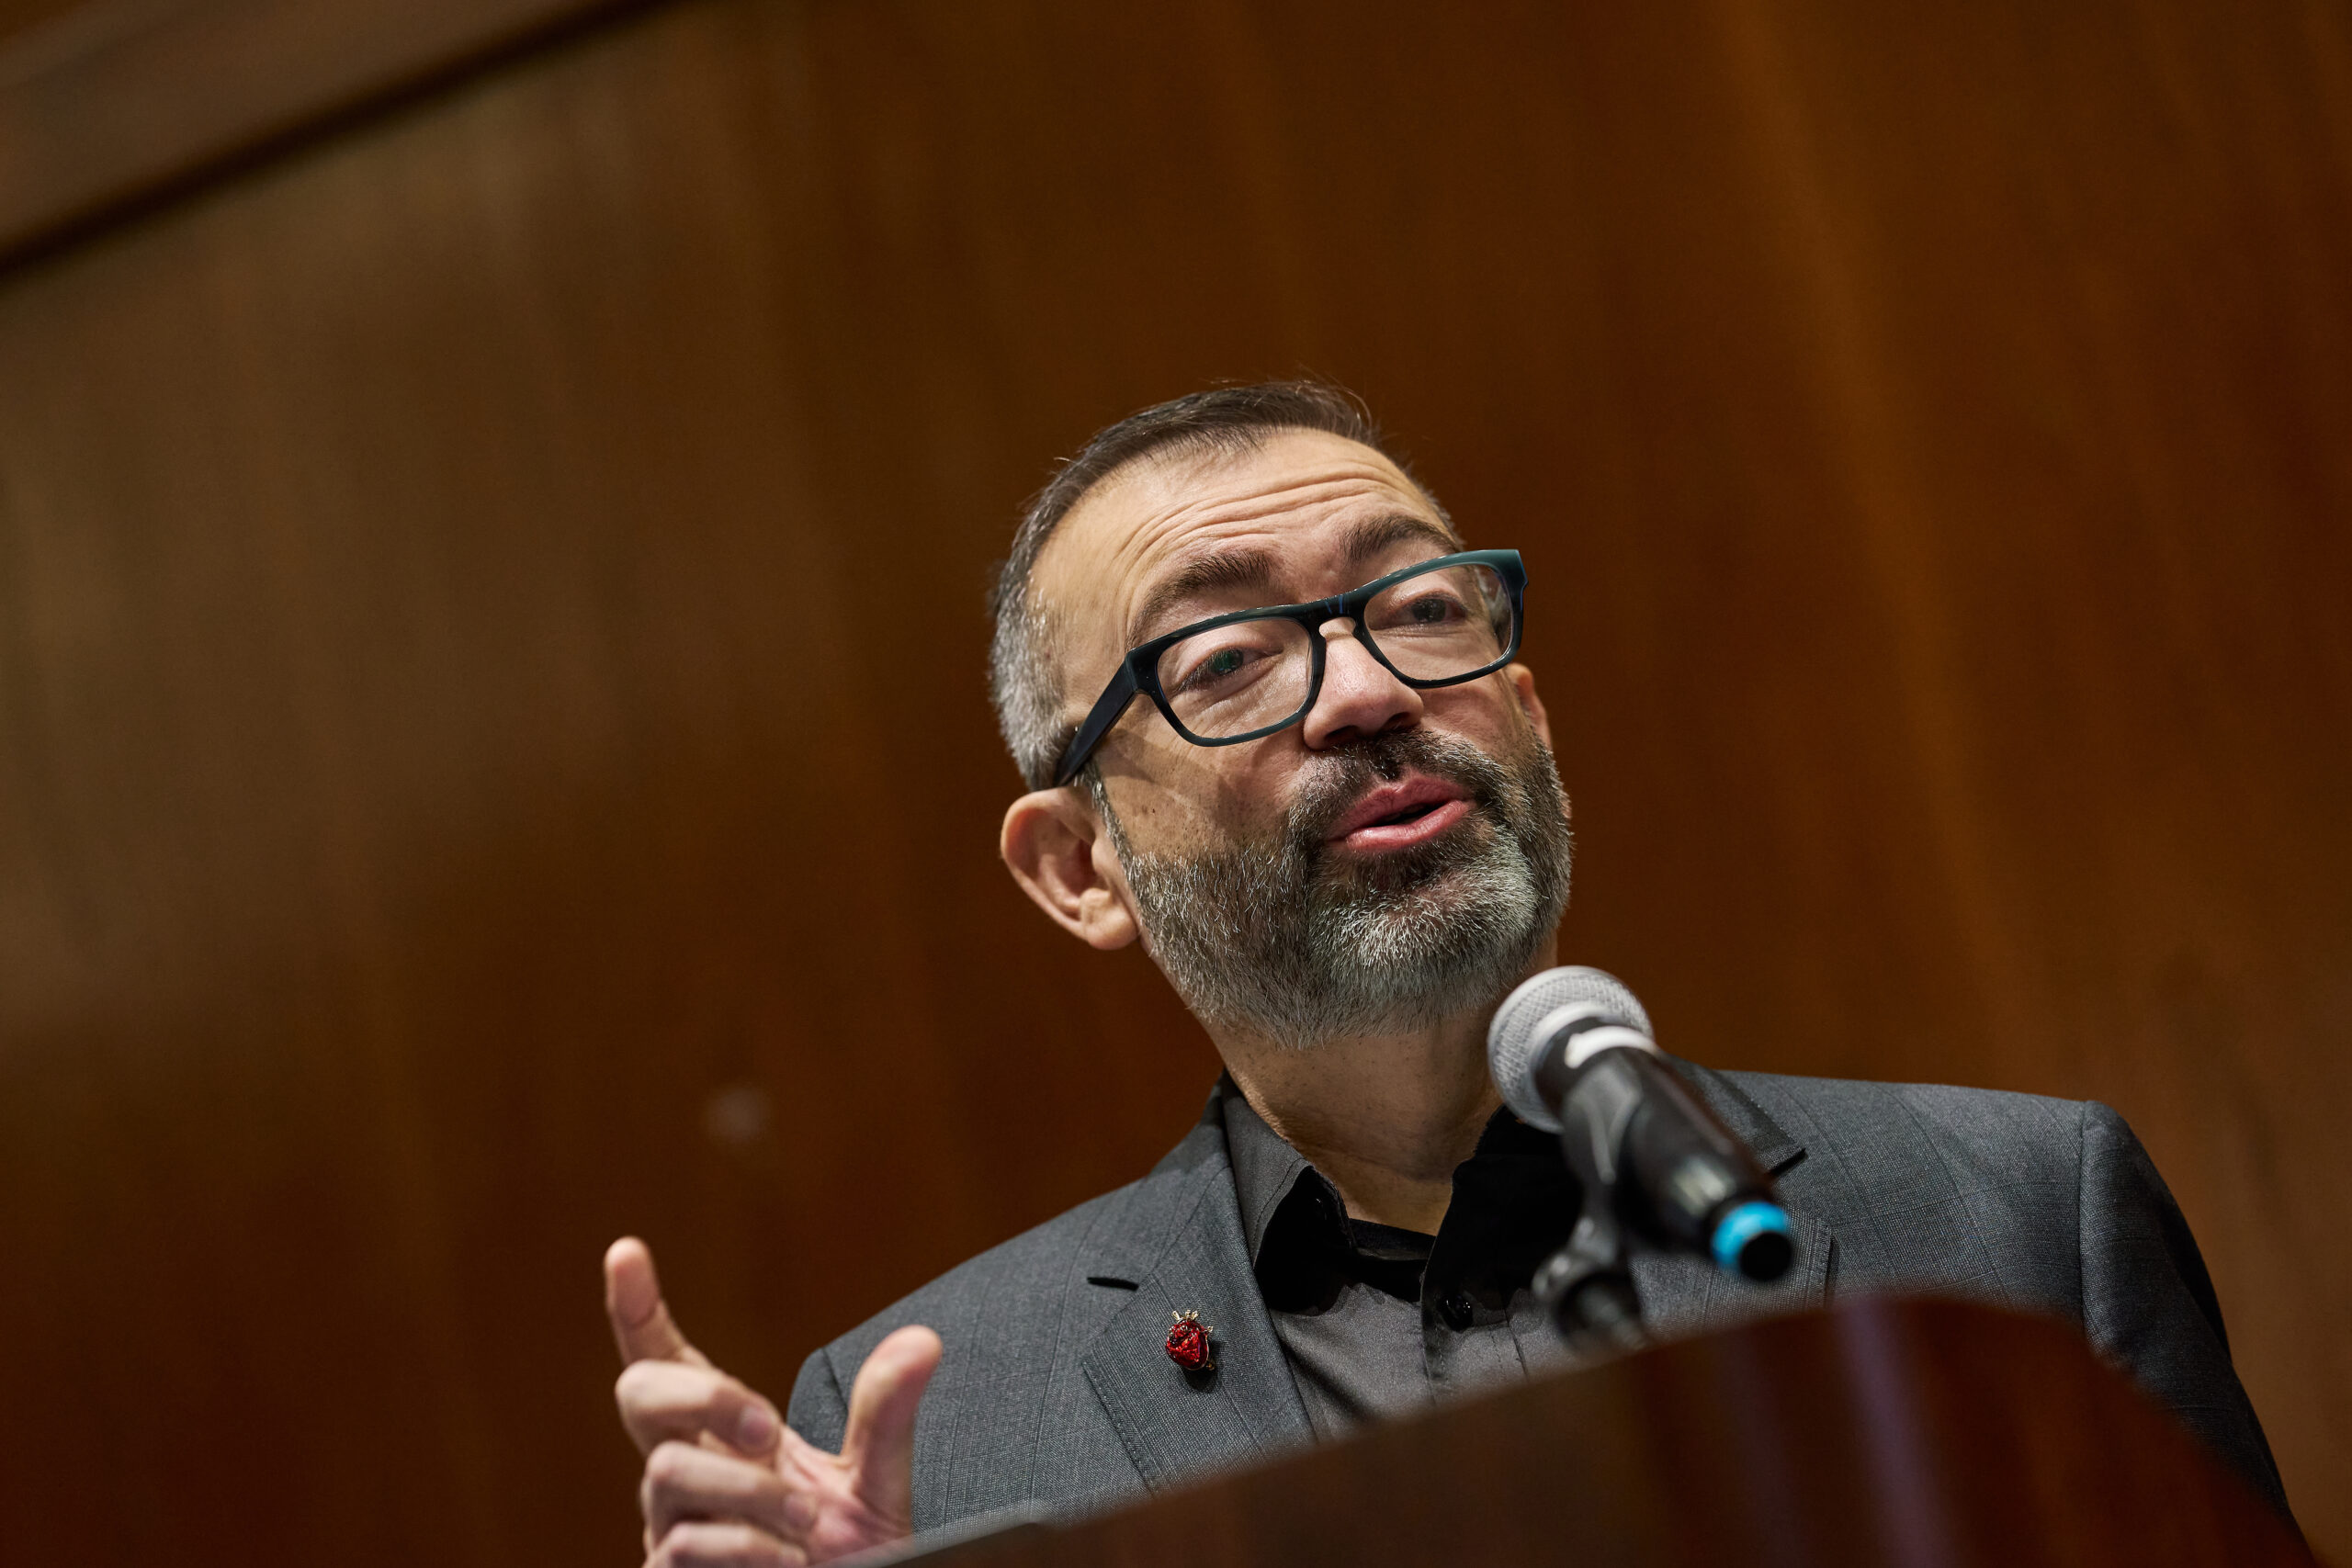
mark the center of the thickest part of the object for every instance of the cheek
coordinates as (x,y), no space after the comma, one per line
(1161,789)
(1486,713)
(1203,798)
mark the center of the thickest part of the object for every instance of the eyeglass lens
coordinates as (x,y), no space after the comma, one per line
(1252,675)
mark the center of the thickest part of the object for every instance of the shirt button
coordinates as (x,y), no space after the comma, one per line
(1456,1310)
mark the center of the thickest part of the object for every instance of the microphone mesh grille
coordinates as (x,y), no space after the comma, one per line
(1511,1045)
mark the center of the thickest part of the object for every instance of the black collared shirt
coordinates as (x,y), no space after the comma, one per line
(1378,1321)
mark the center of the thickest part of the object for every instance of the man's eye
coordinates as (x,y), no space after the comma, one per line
(1221,665)
(1219,672)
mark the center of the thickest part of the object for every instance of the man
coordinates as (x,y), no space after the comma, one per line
(1318,788)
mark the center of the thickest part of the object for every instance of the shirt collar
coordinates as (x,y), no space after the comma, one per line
(1264,1168)
(1514,1192)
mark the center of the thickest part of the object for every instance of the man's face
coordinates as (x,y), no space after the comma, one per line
(1399,854)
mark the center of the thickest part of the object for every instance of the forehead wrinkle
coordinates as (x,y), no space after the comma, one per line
(1251,566)
(1225,516)
(1242,566)
(1165,490)
(1373,535)
(1222,521)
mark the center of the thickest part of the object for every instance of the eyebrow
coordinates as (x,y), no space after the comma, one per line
(1254,567)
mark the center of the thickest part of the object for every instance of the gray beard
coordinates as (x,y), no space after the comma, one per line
(1297,944)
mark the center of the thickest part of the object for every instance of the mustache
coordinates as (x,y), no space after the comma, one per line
(1341,775)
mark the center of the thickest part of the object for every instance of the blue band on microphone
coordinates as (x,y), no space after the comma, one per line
(1744,1224)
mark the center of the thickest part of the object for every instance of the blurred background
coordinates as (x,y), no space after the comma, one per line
(495,506)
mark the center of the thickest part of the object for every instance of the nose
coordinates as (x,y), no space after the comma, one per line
(1360,697)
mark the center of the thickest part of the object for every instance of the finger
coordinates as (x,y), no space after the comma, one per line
(641,1324)
(683,1483)
(672,1401)
(724,1546)
(879,1444)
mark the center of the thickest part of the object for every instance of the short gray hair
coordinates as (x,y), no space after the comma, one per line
(1024,678)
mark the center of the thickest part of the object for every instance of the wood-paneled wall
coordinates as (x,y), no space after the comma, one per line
(492,750)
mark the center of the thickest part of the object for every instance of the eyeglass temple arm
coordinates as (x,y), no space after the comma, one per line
(1121,691)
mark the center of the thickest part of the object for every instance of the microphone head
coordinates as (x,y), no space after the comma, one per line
(1533,1015)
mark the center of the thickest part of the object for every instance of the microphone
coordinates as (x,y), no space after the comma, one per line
(1570,1052)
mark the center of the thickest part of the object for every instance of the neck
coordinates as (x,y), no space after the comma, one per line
(1385,1117)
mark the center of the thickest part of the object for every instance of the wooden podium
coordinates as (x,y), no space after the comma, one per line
(1910,1433)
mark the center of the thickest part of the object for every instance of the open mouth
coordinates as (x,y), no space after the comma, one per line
(1396,816)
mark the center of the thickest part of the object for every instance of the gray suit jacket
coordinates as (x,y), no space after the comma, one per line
(1055,1389)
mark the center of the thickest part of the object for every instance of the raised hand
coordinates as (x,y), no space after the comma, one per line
(725,1481)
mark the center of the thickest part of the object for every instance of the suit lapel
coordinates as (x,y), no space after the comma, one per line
(1183,1245)
(1682,1295)
(1774,1149)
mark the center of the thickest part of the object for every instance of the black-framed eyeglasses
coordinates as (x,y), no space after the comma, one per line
(1245,676)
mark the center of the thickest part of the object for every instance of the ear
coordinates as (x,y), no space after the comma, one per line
(1522,687)
(1056,849)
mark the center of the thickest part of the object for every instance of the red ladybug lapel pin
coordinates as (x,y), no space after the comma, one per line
(1187,1343)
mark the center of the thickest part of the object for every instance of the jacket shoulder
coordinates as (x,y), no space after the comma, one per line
(997,1284)
(1011,1312)
(2031,1201)
(1967,1191)
(1978,1119)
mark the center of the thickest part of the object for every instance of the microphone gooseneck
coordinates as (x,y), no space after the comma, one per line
(1571,1052)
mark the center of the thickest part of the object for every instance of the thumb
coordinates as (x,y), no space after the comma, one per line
(879,1445)
(641,1324)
